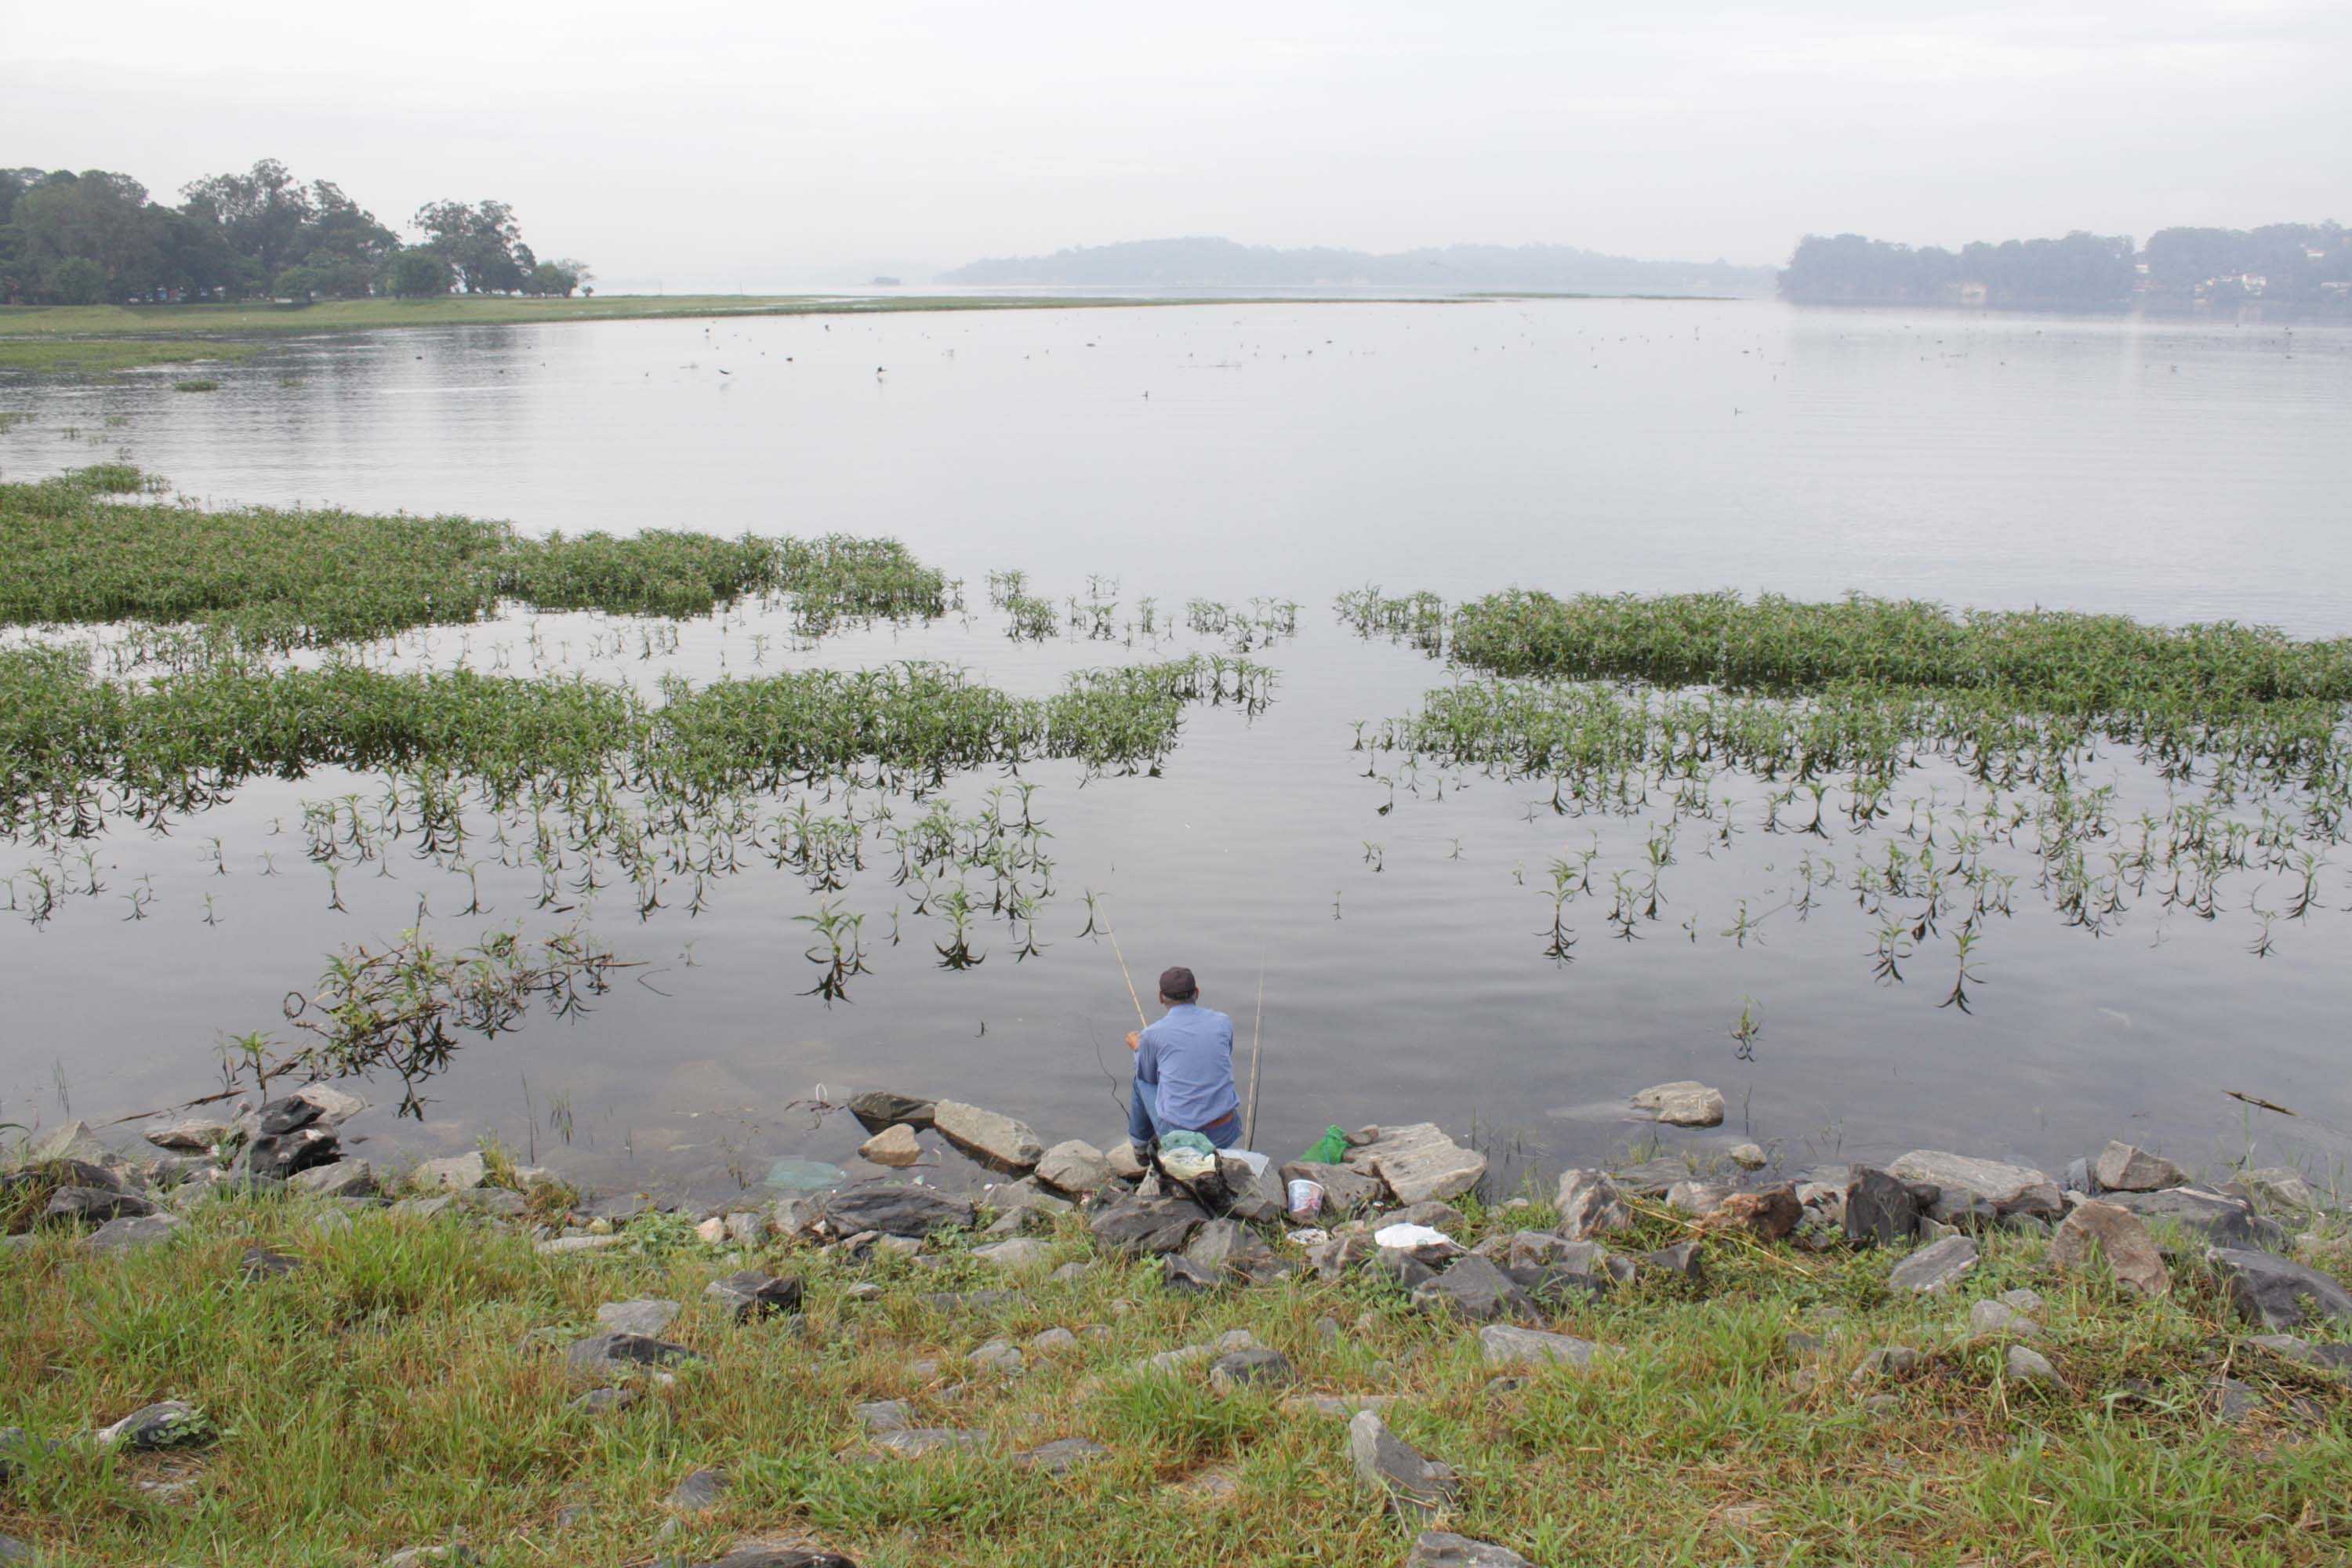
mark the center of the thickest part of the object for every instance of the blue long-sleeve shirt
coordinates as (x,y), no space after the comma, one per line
(1188,1057)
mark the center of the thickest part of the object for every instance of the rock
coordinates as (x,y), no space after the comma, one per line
(1401,1267)
(334,1105)
(2276,1293)
(455,1174)
(1682,1257)
(1682,1104)
(1697,1199)
(1881,1210)
(1337,1256)
(1185,1278)
(601,1354)
(1125,1163)
(883,1416)
(2221,1220)
(452,1555)
(1749,1157)
(1028,1195)
(1476,1290)
(745,1228)
(1419,1163)
(620,1208)
(2336,1358)
(895,1209)
(774,1557)
(895,1145)
(94,1206)
(1935,1268)
(1147,1226)
(993,1140)
(1227,1245)
(2127,1168)
(173,1424)
(1254,1366)
(261,1263)
(916,1442)
(76,1140)
(1412,1485)
(1345,1191)
(647,1318)
(560,1246)
(2027,1365)
(1767,1215)
(190,1134)
(2281,1187)
(1590,1206)
(132,1234)
(1988,1317)
(498,1202)
(1061,1455)
(15,1551)
(423,1208)
(339,1179)
(1023,1254)
(880,1107)
(605,1401)
(1052,1341)
(1000,1356)
(698,1493)
(1075,1167)
(1965,1184)
(1887,1362)
(710,1232)
(2231,1401)
(750,1294)
(1507,1346)
(2097,1229)
(1436,1548)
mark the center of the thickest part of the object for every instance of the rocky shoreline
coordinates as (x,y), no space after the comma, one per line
(1398,1207)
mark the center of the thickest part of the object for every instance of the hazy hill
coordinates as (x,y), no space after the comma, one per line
(1204,262)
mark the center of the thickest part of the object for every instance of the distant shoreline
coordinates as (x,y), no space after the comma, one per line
(97,339)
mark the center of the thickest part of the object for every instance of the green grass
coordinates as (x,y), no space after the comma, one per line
(60,355)
(270,579)
(184,741)
(403,1387)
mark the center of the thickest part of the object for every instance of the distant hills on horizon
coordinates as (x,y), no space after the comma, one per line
(1206,261)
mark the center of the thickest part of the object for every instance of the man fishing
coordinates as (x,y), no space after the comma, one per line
(1184,1069)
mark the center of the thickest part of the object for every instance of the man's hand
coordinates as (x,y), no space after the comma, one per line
(1134,1041)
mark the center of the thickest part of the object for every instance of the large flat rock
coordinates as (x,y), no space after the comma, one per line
(1999,1188)
(1419,1163)
(988,1136)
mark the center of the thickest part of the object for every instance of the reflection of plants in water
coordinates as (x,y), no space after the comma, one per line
(956,952)
(1822,712)
(401,1009)
(839,950)
(1746,1029)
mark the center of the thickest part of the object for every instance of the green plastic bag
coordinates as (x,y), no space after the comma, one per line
(1330,1149)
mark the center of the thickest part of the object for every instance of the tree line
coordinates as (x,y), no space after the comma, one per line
(96,238)
(2299,263)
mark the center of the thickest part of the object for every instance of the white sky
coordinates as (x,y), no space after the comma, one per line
(703,140)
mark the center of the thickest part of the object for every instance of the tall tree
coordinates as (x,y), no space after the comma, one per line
(262,212)
(480,242)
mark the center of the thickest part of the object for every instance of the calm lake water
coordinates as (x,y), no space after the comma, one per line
(2170,472)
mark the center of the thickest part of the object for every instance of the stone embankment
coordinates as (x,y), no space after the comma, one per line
(1396,1206)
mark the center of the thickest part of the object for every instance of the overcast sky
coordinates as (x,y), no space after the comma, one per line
(699,139)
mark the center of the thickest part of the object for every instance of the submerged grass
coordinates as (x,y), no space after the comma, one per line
(76,749)
(270,579)
(404,1386)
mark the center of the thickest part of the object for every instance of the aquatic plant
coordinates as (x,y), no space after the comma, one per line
(270,579)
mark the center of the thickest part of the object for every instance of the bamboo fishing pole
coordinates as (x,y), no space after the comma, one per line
(1140,1020)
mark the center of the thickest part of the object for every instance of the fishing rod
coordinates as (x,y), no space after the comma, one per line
(1140,1020)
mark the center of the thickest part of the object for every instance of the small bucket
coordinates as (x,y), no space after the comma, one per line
(1306,1198)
